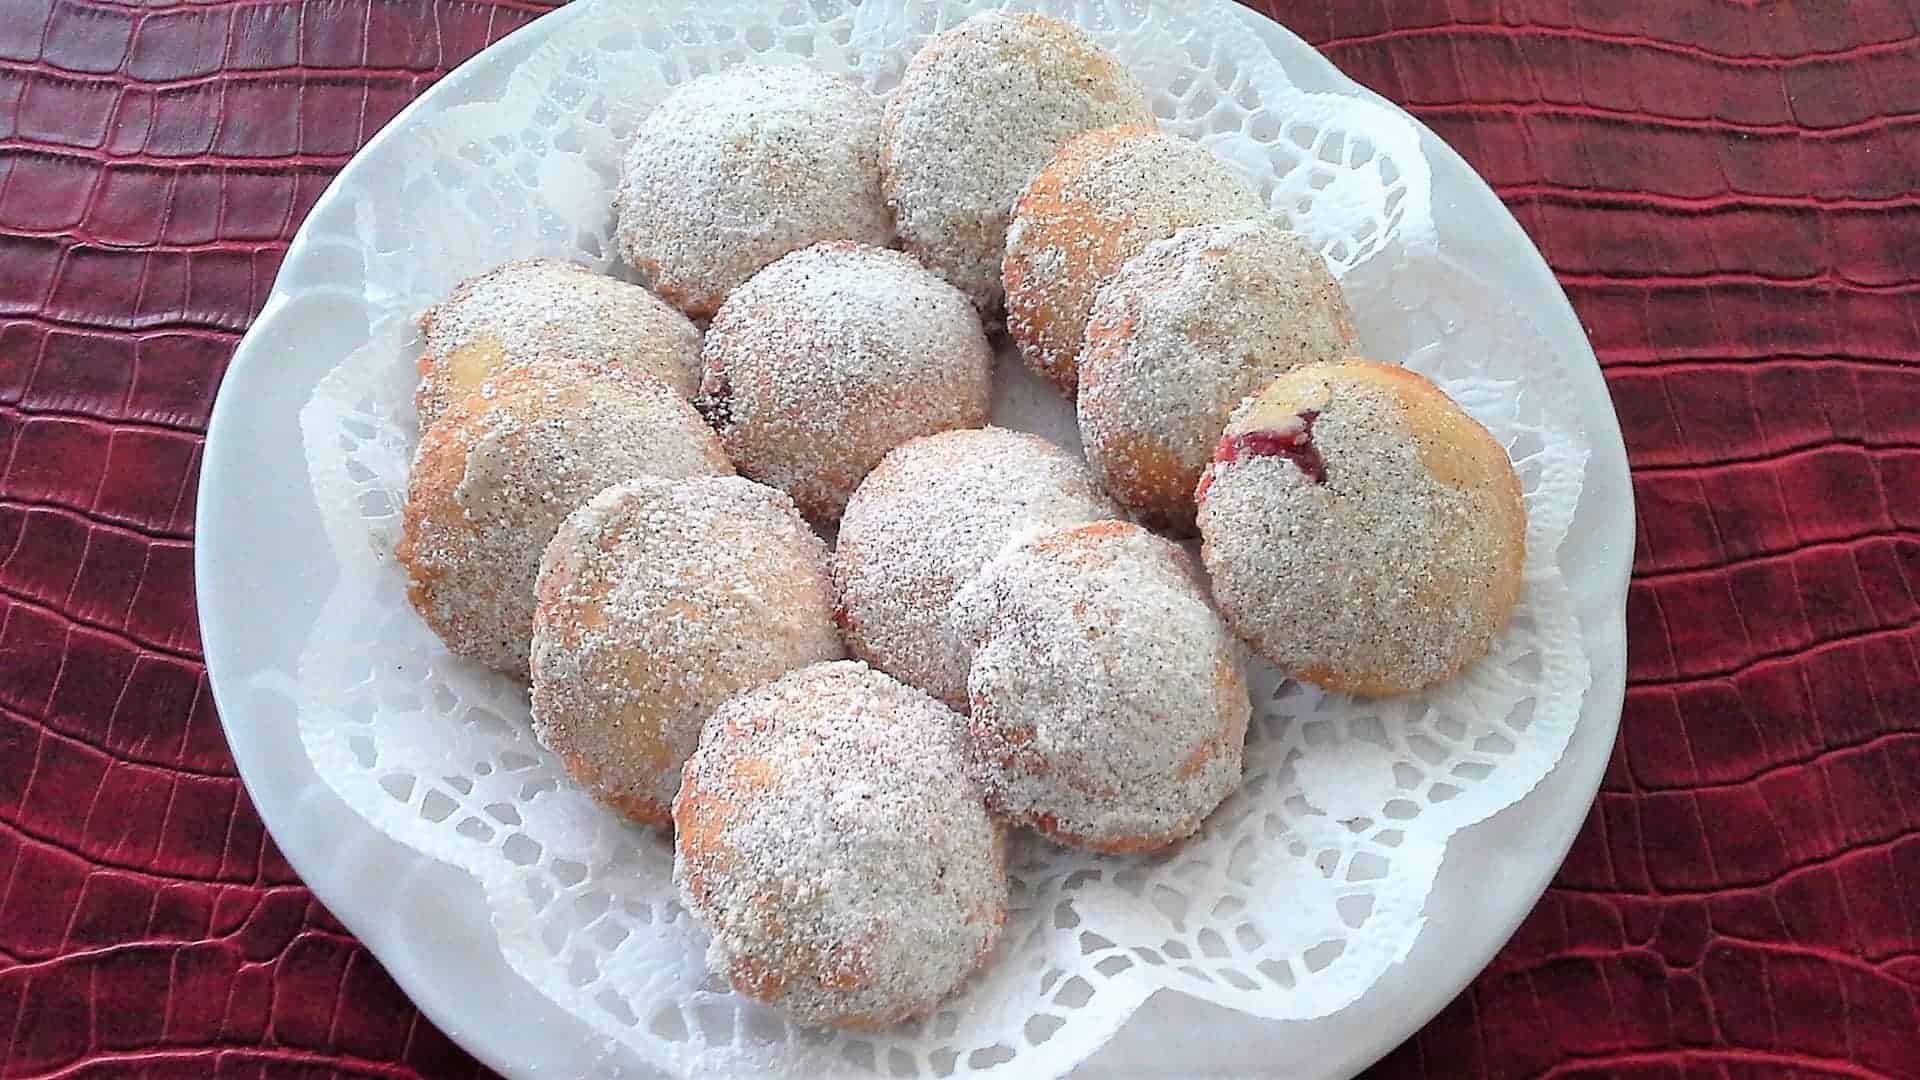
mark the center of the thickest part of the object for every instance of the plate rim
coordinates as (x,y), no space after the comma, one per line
(385,930)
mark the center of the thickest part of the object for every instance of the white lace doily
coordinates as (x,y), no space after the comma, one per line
(1299,893)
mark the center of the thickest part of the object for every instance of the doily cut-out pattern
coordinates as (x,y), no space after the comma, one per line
(1297,895)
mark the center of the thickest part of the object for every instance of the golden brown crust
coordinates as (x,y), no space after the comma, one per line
(1181,334)
(927,518)
(1084,546)
(824,361)
(702,813)
(1108,194)
(499,470)
(636,807)
(1055,221)
(738,167)
(1470,577)
(693,303)
(830,839)
(980,108)
(1149,479)
(656,602)
(550,313)
(1108,705)
(1460,453)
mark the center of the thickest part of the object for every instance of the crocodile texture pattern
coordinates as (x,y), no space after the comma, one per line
(1728,192)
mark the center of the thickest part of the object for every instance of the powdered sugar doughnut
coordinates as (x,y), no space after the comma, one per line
(496,474)
(924,521)
(657,601)
(1109,707)
(1102,200)
(829,837)
(829,358)
(546,312)
(1363,532)
(979,110)
(737,168)
(1179,336)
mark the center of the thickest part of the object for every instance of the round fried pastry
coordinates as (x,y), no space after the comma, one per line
(737,168)
(1363,532)
(980,109)
(497,473)
(924,521)
(549,313)
(1108,702)
(1101,201)
(834,355)
(1182,334)
(828,835)
(657,601)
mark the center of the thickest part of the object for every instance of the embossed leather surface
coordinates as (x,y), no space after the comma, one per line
(1727,191)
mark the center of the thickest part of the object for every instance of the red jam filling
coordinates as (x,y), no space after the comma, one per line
(1296,445)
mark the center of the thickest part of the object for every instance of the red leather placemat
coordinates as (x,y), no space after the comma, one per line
(1727,191)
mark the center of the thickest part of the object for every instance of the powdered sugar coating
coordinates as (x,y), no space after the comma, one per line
(834,355)
(926,520)
(499,471)
(1396,571)
(740,167)
(980,109)
(1179,336)
(656,602)
(547,312)
(1102,200)
(830,838)
(1109,705)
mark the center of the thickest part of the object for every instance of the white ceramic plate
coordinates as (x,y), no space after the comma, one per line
(264,567)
